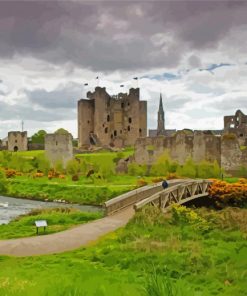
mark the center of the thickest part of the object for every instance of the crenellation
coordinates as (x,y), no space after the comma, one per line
(117,121)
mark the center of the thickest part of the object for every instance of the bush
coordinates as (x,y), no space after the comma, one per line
(73,167)
(141,183)
(135,169)
(75,178)
(3,182)
(229,194)
(9,173)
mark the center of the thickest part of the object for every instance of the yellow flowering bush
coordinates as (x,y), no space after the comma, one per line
(186,216)
(229,194)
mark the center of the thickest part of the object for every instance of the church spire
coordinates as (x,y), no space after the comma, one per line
(161,118)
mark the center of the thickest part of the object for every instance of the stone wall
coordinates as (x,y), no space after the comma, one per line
(232,157)
(17,141)
(58,147)
(198,146)
(116,121)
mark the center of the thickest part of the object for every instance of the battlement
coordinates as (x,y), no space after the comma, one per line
(111,120)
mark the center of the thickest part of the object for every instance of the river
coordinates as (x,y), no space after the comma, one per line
(18,206)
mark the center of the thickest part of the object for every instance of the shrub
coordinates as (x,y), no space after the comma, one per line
(75,178)
(229,194)
(135,169)
(171,176)
(157,180)
(38,175)
(72,167)
(3,182)
(9,173)
(141,182)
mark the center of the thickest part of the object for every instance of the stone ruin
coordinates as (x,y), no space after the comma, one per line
(198,145)
(114,121)
(237,125)
(17,141)
(58,147)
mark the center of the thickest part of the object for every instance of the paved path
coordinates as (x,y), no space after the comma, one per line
(66,240)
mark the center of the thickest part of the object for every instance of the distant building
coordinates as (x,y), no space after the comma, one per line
(161,130)
(17,141)
(58,147)
(115,121)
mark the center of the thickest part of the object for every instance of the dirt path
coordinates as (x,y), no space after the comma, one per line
(66,240)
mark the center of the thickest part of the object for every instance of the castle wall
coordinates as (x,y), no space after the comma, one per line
(17,141)
(181,146)
(58,147)
(232,157)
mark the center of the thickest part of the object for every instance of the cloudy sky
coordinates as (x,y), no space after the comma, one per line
(194,52)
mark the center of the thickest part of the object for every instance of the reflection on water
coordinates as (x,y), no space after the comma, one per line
(19,206)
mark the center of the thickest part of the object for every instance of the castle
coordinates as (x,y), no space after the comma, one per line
(115,121)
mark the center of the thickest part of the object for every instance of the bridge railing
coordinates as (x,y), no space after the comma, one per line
(180,193)
(130,198)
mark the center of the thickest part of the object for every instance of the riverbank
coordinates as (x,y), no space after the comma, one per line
(58,219)
(84,194)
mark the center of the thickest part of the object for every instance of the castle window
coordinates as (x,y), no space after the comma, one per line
(15,141)
(130,119)
(128,103)
(103,125)
(108,118)
(120,131)
(122,105)
(115,133)
(232,125)
(140,130)
(128,128)
(241,135)
(106,130)
(111,136)
(88,121)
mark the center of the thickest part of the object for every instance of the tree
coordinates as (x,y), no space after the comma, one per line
(61,131)
(39,137)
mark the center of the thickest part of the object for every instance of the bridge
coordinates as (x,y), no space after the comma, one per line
(119,211)
(180,194)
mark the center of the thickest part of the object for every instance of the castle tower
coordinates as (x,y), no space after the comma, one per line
(161,119)
(116,121)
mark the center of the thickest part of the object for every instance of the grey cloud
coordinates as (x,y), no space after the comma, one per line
(27,112)
(231,104)
(107,36)
(62,97)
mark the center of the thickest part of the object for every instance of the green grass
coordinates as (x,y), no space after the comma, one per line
(152,256)
(58,219)
(72,193)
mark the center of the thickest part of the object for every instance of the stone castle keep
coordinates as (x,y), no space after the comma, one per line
(115,121)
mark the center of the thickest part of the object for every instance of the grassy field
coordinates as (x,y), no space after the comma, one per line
(58,219)
(195,252)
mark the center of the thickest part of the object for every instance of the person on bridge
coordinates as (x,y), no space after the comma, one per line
(164,184)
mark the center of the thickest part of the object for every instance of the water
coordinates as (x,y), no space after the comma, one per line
(18,206)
